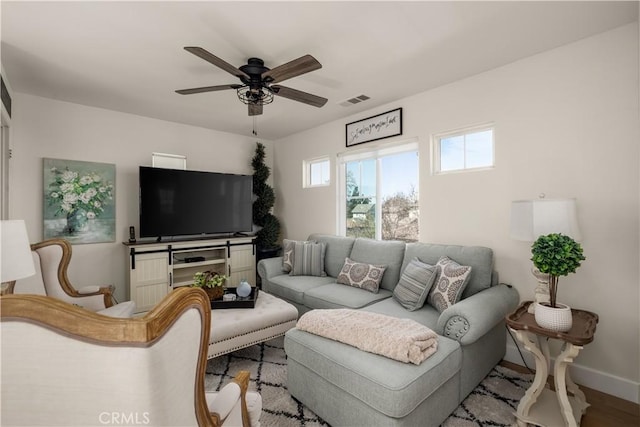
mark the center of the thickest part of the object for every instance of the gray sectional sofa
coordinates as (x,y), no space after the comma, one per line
(350,387)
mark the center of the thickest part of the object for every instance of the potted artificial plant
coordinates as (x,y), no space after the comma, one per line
(556,255)
(211,282)
(269,226)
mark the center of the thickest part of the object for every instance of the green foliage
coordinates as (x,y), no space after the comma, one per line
(263,204)
(208,279)
(268,236)
(265,199)
(261,171)
(556,255)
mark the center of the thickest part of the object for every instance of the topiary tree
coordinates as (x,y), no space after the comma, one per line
(267,237)
(556,255)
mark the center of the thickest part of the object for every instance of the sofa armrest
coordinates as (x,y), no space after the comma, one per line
(270,267)
(471,318)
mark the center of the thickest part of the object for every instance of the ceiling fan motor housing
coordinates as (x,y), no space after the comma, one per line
(254,68)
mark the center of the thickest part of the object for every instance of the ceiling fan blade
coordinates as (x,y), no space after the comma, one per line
(298,95)
(255,109)
(206,89)
(220,63)
(294,68)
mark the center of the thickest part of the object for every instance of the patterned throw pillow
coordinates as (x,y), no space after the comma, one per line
(308,259)
(414,285)
(361,275)
(450,283)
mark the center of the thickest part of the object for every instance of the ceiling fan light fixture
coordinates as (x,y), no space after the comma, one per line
(261,96)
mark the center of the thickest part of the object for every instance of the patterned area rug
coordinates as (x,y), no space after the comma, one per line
(492,403)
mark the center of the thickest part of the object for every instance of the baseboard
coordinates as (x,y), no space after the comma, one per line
(582,375)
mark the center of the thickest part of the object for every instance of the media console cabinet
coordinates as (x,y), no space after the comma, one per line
(155,268)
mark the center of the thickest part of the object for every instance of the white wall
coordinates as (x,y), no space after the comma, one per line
(566,124)
(44,128)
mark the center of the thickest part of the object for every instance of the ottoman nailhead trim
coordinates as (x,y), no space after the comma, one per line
(248,344)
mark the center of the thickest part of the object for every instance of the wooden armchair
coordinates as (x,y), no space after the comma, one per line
(51,259)
(63,365)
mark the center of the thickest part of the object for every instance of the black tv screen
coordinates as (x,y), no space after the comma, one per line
(184,203)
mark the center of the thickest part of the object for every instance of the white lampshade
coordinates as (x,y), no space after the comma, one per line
(16,259)
(531,219)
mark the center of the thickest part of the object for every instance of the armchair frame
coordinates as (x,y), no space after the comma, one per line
(88,326)
(63,278)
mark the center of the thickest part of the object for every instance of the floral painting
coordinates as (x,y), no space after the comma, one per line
(79,201)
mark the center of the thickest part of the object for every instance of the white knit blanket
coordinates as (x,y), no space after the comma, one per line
(401,339)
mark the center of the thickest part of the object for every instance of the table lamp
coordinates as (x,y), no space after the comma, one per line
(531,219)
(16,261)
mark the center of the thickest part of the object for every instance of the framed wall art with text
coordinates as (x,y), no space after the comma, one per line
(383,125)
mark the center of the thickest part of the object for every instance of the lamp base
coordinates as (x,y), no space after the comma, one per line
(541,293)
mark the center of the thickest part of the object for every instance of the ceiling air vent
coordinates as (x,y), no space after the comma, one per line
(355,100)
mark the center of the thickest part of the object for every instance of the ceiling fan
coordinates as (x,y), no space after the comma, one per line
(259,82)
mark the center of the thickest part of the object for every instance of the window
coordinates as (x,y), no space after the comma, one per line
(317,172)
(379,193)
(168,161)
(465,149)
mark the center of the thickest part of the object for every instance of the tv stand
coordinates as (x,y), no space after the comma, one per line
(156,268)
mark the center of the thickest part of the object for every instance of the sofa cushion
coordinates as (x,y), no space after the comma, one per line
(361,275)
(479,258)
(425,315)
(334,295)
(292,288)
(414,285)
(308,259)
(338,249)
(450,283)
(381,252)
(390,387)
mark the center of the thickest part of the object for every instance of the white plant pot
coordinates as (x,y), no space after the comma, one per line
(557,319)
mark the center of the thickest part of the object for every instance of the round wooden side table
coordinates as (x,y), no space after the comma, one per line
(541,406)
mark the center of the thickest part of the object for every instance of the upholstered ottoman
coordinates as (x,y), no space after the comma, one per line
(236,328)
(347,386)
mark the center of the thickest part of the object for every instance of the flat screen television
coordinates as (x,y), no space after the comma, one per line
(187,203)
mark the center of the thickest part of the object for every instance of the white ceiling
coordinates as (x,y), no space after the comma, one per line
(128,56)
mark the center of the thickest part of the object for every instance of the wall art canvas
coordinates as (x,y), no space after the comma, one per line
(382,126)
(79,201)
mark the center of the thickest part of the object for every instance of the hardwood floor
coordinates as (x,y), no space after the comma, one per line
(605,410)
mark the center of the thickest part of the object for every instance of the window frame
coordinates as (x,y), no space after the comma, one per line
(436,150)
(306,172)
(375,152)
